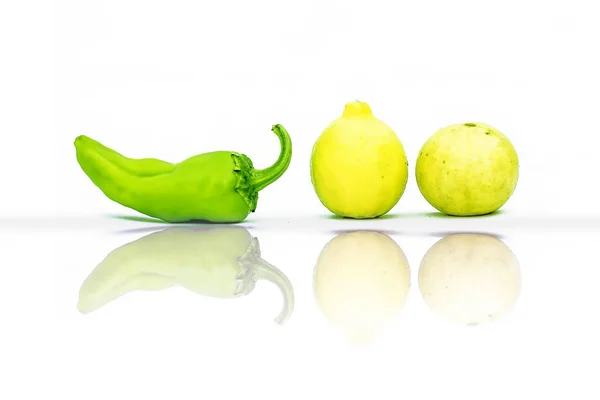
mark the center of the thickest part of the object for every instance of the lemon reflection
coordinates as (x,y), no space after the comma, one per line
(221,262)
(361,282)
(470,278)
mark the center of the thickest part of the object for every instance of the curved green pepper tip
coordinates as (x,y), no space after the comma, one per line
(264,177)
(218,186)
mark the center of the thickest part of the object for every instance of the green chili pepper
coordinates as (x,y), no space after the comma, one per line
(219,186)
(221,262)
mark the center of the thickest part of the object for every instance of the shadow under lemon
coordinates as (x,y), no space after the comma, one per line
(361,282)
(470,278)
(220,262)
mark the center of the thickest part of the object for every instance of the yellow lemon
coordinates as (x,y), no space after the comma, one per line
(361,282)
(358,165)
(467,169)
(470,278)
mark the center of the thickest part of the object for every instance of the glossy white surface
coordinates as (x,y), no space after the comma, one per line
(178,343)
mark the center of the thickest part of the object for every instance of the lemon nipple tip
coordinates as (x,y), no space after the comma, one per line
(357,108)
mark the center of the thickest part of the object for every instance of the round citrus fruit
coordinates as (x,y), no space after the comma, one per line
(358,165)
(467,169)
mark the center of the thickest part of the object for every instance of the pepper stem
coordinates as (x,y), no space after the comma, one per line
(265,271)
(264,177)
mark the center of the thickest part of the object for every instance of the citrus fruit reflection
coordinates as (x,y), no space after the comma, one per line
(361,281)
(469,278)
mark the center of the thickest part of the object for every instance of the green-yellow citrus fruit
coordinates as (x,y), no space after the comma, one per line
(361,282)
(358,165)
(467,169)
(470,278)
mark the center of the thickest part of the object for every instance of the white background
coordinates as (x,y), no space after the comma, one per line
(170,80)
(178,78)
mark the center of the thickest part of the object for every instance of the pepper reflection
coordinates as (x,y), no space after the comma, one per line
(470,278)
(361,282)
(222,262)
